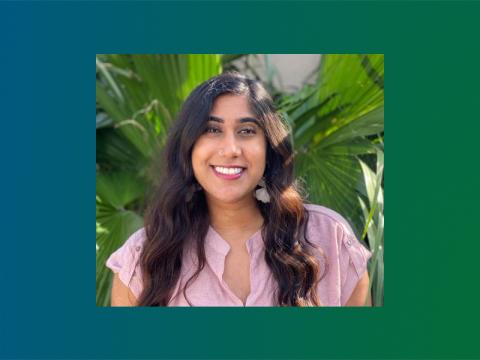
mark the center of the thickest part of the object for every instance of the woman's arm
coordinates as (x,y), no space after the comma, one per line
(121,294)
(361,295)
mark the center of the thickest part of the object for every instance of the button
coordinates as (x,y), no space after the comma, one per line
(138,248)
(349,242)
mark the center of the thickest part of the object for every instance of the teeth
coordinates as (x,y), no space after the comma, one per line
(228,171)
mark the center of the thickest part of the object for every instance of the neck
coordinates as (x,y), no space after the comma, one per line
(243,216)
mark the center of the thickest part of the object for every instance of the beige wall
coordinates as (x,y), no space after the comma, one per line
(287,71)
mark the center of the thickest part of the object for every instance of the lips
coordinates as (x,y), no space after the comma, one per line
(231,172)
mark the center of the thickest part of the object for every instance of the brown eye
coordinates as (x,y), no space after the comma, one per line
(212,130)
(248,131)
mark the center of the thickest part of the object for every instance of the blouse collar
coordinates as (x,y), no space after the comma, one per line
(217,248)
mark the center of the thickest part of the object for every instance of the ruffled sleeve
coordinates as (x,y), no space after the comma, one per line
(353,260)
(125,262)
(345,257)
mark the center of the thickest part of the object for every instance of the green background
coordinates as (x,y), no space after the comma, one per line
(48,179)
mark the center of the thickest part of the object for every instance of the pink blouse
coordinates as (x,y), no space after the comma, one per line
(346,257)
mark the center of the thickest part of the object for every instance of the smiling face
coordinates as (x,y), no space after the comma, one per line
(228,159)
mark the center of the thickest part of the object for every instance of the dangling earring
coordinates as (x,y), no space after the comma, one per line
(262,193)
(194,188)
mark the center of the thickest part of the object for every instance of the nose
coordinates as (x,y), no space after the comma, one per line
(230,147)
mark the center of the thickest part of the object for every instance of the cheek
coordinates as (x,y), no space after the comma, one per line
(257,155)
(196,159)
(200,155)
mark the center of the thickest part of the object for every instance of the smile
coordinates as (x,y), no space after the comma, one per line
(228,173)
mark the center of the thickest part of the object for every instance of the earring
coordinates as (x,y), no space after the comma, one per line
(262,193)
(194,188)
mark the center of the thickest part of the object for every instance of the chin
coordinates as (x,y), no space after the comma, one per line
(230,198)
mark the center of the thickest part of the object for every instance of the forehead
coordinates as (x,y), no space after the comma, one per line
(230,106)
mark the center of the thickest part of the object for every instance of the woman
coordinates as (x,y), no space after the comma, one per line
(227,226)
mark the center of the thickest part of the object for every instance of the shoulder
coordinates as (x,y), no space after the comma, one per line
(327,223)
(136,240)
(125,261)
(347,258)
(132,247)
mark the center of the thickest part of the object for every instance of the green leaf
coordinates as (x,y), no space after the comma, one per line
(352,80)
(116,227)
(143,93)
(368,124)
(170,78)
(374,224)
(316,127)
(115,153)
(356,146)
(332,182)
(119,189)
(103,120)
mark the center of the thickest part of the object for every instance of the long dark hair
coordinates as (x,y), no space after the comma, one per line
(174,218)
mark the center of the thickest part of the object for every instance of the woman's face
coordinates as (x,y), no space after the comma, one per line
(229,158)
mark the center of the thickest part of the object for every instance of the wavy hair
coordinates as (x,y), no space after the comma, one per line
(174,218)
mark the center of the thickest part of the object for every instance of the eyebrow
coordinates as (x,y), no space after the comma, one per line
(241,120)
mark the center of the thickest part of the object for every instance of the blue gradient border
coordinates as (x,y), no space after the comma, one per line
(48,179)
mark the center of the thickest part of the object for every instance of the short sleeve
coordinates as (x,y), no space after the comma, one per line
(125,262)
(353,263)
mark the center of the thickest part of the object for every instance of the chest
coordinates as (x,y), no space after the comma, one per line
(237,272)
